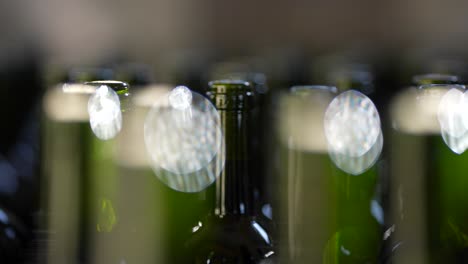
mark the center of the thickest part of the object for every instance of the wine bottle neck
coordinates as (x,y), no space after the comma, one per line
(234,186)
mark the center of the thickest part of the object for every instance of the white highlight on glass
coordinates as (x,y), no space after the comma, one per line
(345,251)
(180,98)
(105,116)
(353,133)
(377,211)
(184,140)
(261,231)
(198,226)
(453,119)
(352,124)
(3,217)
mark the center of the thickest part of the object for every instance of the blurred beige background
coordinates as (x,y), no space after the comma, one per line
(83,31)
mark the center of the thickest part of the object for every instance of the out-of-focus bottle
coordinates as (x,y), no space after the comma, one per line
(175,139)
(428,167)
(95,212)
(328,206)
(166,217)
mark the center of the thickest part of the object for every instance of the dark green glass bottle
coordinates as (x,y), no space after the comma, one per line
(326,215)
(240,70)
(428,168)
(235,231)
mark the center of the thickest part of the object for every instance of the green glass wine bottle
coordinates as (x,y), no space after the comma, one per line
(428,164)
(328,212)
(100,183)
(179,210)
(235,231)
(157,220)
(84,193)
(244,70)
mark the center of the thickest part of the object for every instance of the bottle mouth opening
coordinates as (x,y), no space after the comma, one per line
(435,78)
(231,87)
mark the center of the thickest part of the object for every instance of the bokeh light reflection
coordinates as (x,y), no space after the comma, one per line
(353,133)
(452,118)
(184,140)
(105,116)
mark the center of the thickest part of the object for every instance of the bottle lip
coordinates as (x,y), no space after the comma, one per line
(441,85)
(304,88)
(229,82)
(121,88)
(232,94)
(435,78)
(118,86)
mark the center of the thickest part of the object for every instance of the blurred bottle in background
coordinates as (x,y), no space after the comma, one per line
(358,69)
(428,168)
(93,207)
(174,140)
(328,197)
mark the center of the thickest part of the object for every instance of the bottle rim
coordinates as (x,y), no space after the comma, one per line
(118,86)
(442,85)
(229,82)
(449,78)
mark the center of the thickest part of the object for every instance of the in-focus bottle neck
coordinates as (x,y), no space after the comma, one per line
(234,187)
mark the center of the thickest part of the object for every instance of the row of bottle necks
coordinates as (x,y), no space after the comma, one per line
(310,174)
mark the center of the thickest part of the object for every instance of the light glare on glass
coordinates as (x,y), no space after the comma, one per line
(180,98)
(452,117)
(105,116)
(184,140)
(352,124)
(353,133)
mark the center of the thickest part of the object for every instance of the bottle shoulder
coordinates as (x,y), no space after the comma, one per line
(231,239)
